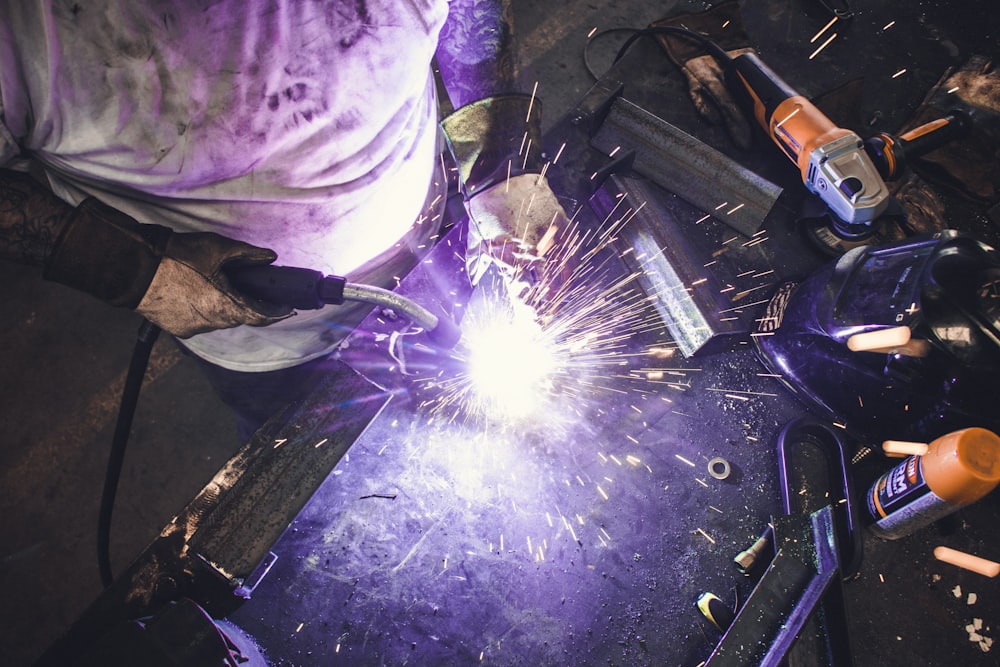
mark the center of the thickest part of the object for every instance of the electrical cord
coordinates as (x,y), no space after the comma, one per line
(593,38)
(147,335)
(638,33)
(843,12)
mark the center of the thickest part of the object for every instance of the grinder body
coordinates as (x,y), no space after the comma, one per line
(832,160)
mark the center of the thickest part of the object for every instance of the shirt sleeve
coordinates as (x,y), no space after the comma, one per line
(9,150)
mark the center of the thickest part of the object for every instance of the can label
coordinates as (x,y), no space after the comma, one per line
(899,486)
(901,502)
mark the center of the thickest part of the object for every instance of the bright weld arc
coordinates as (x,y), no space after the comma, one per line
(571,332)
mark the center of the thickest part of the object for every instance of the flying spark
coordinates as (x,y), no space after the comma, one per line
(823,46)
(823,29)
(561,334)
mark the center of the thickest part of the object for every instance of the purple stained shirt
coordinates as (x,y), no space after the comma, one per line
(305,127)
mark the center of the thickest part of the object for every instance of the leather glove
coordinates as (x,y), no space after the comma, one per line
(514,215)
(512,225)
(175,280)
(706,82)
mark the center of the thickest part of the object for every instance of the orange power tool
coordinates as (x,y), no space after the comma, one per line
(848,174)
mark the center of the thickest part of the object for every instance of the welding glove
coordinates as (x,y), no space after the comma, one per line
(175,280)
(970,166)
(514,216)
(706,81)
(512,225)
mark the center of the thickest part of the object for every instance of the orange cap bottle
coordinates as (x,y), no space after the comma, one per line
(958,469)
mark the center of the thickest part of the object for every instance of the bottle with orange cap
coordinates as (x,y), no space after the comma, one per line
(958,469)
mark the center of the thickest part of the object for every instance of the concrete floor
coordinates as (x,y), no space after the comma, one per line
(64,360)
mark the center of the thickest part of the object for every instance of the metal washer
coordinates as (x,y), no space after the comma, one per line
(719,468)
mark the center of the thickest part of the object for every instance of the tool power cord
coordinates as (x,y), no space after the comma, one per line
(839,9)
(636,34)
(146,337)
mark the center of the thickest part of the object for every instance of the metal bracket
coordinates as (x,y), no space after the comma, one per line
(682,164)
(802,578)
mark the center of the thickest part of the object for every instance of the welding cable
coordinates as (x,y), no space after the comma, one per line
(148,332)
(440,329)
(842,12)
(308,289)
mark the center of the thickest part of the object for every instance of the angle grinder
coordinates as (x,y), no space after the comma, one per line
(847,174)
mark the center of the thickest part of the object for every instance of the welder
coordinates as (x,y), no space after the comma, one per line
(147,147)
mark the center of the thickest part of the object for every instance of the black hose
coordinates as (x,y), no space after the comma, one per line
(145,339)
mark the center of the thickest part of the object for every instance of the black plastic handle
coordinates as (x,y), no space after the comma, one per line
(302,289)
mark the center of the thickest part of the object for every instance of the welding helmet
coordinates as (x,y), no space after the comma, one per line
(938,299)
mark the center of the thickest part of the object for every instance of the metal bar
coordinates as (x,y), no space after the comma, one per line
(210,550)
(268,483)
(682,164)
(670,259)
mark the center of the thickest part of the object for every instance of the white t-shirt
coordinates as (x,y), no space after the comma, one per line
(306,127)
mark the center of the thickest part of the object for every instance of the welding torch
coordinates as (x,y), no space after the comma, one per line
(308,289)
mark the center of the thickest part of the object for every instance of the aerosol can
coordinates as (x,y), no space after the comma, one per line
(958,469)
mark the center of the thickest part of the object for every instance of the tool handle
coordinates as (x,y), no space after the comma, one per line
(934,134)
(890,154)
(794,123)
(302,289)
(757,87)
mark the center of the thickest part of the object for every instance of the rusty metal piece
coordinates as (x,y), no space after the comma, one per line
(211,549)
(682,164)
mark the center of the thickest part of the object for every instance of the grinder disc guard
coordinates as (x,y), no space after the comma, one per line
(945,288)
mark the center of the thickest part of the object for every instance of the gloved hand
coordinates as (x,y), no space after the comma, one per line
(175,280)
(706,83)
(514,215)
(512,226)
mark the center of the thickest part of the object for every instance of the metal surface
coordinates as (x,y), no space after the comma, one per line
(689,269)
(687,166)
(572,538)
(211,549)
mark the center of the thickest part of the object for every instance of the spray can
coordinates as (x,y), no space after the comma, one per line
(958,469)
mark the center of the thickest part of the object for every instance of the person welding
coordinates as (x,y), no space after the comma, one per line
(146,147)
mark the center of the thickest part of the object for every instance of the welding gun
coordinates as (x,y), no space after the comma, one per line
(308,289)
(848,174)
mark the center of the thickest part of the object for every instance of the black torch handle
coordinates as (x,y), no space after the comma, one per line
(302,289)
